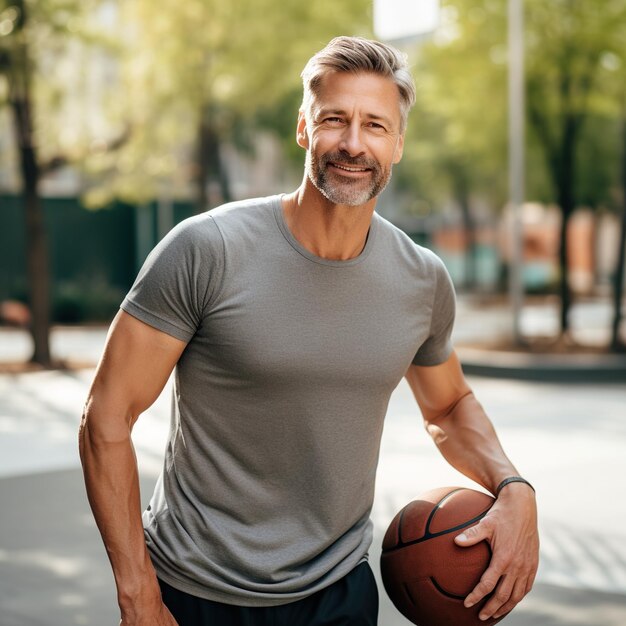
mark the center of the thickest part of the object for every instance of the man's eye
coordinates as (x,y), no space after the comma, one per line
(333,120)
(376,126)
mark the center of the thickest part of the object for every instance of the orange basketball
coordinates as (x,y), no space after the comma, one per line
(426,575)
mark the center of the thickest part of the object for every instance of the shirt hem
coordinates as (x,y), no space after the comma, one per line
(138,312)
(259,600)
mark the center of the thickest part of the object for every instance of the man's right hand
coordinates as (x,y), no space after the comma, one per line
(159,616)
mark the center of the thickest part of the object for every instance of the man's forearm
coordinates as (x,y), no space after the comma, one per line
(466,438)
(111,479)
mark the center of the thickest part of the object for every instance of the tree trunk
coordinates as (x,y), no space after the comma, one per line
(564,177)
(202,168)
(469,234)
(618,277)
(564,290)
(617,345)
(36,241)
(460,184)
(560,152)
(210,165)
(471,274)
(222,172)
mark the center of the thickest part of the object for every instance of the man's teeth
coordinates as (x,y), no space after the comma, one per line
(350,169)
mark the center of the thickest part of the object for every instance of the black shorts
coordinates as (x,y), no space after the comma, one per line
(351,601)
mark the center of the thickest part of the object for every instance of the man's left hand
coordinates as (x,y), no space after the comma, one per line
(510,527)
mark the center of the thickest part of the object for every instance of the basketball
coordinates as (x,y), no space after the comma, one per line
(425,574)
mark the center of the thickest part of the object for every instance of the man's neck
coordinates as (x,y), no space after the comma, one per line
(330,231)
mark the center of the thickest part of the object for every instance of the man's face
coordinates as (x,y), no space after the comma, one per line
(352,136)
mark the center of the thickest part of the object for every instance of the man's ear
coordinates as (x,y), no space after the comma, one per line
(397,155)
(302,136)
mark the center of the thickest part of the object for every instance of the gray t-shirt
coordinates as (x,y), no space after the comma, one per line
(279,397)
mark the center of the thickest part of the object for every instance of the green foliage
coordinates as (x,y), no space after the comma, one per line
(575,54)
(456,140)
(212,63)
(170,66)
(599,158)
(575,70)
(45,46)
(280,118)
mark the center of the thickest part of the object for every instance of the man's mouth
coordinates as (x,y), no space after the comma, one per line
(350,168)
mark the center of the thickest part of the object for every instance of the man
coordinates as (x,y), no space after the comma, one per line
(289,321)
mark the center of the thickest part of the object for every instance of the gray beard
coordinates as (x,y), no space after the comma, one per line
(340,190)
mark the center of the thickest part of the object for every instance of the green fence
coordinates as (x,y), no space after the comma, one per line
(93,255)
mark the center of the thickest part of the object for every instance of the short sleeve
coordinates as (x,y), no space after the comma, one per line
(438,346)
(174,288)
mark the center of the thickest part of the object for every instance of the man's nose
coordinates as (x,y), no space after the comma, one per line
(352,140)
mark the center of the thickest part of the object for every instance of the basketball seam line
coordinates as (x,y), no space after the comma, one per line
(429,535)
(438,506)
(399,541)
(441,590)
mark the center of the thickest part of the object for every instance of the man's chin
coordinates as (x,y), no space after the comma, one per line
(348,199)
(348,194)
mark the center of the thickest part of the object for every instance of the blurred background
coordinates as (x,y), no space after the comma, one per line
(120,118)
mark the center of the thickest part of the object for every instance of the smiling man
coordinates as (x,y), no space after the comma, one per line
(289,321)
(346,175)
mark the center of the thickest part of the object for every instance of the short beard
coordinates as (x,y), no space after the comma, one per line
(347,192)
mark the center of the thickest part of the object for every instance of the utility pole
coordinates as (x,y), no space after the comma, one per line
(516,159)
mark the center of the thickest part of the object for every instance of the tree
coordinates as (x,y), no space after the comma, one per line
(34,36)
(565,45)
(193,77)
(17,66)
(617,344)
(456,141)
(457,145)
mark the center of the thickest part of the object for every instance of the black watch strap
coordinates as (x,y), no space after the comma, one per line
(512,479)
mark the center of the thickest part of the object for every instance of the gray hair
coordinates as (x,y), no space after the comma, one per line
(356,54)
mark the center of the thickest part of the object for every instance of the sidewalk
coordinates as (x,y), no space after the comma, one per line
(479,326)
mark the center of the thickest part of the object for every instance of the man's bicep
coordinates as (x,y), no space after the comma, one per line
(135,366)
(437,388)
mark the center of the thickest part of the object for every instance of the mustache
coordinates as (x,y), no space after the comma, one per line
(346,159)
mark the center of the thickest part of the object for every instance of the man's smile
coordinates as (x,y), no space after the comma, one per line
(350,168)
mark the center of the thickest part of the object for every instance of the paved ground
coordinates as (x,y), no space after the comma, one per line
(568,440)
